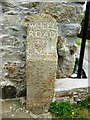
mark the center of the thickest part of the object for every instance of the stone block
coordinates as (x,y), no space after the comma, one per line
(40,85)
(64,12)
(66,58)
(41,61)
(70,30)
(10,20)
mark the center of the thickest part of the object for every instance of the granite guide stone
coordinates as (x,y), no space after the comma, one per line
(41,61)
(13,35)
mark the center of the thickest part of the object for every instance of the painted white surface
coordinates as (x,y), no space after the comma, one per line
(69,83)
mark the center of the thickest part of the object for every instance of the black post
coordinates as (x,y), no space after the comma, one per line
(84,32)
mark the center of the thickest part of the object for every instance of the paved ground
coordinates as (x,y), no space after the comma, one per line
(13,109)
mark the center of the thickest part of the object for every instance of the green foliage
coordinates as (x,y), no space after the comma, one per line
(78,42)
(85,103)
(60,109)
(68,110)
(64,109)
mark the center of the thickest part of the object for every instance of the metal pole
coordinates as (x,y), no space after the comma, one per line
(84,32)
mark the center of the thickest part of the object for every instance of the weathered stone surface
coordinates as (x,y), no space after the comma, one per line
(71,89)
(6,6)
(68,15)
(13,109)
(41,61)
(74,95)
(66,58)
(13,38)
(11,70)
(13,47)
(70,30)
(10,20)
(47,116)
(64,12)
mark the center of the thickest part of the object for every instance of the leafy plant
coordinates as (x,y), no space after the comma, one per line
(60,109)
(67,110)
(85,103)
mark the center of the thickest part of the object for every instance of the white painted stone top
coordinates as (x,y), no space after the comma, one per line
(70,83)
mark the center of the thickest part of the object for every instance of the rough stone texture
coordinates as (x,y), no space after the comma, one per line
(64,12)
(66,58)
(47,116)
(41,61)
(71,89)
(70,31)
(74,95)
(13,34)
(69,16)
(13,109)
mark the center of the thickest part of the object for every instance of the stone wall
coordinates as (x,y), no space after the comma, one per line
(73,95)
(13,34)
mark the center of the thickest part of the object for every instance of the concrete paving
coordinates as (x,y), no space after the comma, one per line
(13,109)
